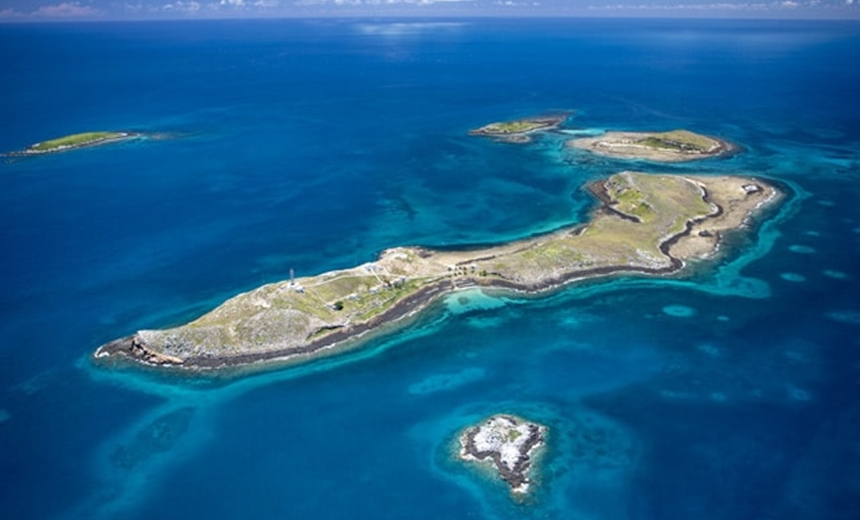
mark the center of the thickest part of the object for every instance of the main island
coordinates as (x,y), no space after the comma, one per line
(643,224)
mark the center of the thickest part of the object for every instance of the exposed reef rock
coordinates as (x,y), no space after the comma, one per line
(135,348)
(508,443)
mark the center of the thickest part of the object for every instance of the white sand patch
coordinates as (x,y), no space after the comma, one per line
(485,323)
(719,397)
(584,132)
(797,357)
(471,300)
(679,311)
(709,349)
(576,320)
(799,394)
(793,277)
(675,395)
(833,273)
(803,250)
(444,382)
(747,287)
(852,317)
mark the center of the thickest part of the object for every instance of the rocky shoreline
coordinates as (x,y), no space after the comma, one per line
(134,347)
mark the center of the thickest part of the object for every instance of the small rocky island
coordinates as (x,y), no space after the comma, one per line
(509,444)
(644,224)
(520,130)
(674,146)
(74,142)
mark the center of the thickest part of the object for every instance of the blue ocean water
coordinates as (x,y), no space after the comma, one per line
(314,145)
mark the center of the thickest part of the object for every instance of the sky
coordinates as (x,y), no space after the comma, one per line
(60,10)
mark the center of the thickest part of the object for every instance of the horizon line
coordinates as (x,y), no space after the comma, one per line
(834,15)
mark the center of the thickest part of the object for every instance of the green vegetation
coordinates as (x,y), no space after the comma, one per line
(673,146)
(519,130)
(75,140)
(680,141)
(384,299)
(631,201)
(513,127)
(548,254)
(656,142)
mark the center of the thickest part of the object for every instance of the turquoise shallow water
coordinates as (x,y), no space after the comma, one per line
(314,145)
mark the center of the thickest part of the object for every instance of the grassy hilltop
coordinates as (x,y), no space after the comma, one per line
(75,140)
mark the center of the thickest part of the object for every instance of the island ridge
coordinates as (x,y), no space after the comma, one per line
(647,223)
(521,130)
(674,146)
(74,142)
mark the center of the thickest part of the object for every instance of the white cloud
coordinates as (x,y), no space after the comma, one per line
(516,3)
(740,6)
(400,28)
(378,2)
(66,10)
(719,6)
(10,14)
(184,7)
(234,3)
